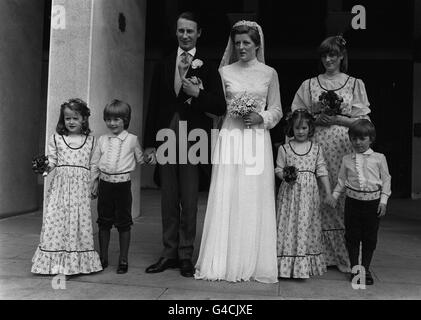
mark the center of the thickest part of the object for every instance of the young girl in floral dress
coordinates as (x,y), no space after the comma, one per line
(66,241)
(299,164)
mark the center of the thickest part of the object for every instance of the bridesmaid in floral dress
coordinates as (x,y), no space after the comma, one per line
(66,241)
(332,134)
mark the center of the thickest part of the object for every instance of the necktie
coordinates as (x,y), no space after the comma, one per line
(182,67)
(184,64)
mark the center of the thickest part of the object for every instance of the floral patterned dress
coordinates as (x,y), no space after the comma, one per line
(335,143)
(66,241)
(299,244)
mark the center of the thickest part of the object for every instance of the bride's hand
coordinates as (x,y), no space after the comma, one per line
(252,119)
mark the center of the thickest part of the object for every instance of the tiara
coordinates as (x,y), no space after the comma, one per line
(246,23)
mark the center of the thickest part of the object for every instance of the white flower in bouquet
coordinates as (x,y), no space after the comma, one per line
(242,105)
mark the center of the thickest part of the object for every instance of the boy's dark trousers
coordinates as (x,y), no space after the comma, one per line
(114,208)
(361,225)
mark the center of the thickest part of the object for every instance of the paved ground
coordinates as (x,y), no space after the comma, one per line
(396,265)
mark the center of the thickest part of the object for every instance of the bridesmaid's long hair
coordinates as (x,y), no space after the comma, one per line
(76,105)
(334,45)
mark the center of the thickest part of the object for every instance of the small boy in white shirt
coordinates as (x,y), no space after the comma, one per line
(365,178)
(114,157)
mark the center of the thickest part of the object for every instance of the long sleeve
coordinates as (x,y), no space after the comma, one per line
(52,151)
(211,99)
(302,98)
(138,152)
(340,186)
(321,168)
(96,156)
(273,113)
(386,180)
(280,160)
(360,104)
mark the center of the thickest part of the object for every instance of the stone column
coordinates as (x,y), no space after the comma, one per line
(97,54)
(21,35)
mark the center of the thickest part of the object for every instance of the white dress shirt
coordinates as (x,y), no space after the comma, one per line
(177,78)
(115,157)
(365,176)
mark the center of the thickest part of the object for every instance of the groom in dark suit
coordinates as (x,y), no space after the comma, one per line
(185,87)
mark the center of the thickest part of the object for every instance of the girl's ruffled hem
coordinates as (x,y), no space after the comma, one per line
(301,267)
(67,263)
(336,253)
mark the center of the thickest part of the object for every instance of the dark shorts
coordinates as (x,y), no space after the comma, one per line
(115,205)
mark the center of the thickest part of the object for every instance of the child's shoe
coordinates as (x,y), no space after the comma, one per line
(122,267)
(104,263)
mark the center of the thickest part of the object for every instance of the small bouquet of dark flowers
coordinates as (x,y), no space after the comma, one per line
(331,103)
(242,105)
(40,165)
(290,174)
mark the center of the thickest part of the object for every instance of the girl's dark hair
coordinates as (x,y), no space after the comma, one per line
(299,116)
(336,46)
(362,128)
(76,105)
(191,16)
(118,109)
(244,29)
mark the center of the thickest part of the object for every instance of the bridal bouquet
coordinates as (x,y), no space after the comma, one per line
(40,165)
(331,103)
(290,174)
(242,105)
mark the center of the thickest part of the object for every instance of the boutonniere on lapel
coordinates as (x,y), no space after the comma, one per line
(196,63)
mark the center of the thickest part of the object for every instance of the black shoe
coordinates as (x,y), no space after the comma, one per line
(186,268)
(368,278)
(162,265)
(104,263)
(122,267)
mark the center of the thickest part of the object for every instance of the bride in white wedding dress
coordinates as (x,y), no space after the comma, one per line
(239,234)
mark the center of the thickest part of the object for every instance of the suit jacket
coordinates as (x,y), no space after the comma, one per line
(164,103)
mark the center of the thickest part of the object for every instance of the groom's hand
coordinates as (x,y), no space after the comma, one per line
(150,156)
(189,88)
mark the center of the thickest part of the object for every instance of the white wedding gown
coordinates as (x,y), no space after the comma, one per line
(239,234)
